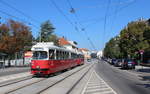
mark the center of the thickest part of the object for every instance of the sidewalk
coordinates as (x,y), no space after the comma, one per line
(142,69)
(13,70)
(144,72)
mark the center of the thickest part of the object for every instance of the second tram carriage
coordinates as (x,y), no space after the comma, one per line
(48,58)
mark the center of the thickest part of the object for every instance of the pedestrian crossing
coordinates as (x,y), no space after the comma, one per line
(96,85)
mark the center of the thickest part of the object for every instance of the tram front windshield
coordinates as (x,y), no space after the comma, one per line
(39,55)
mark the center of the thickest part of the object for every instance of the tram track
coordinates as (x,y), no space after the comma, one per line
(37,83)
(22,86)
(72,87)
(68,92)
(9,82)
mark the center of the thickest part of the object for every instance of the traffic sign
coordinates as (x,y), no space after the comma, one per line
(141,51)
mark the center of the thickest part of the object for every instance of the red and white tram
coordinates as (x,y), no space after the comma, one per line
(48,58)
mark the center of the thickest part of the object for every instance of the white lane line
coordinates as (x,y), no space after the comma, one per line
(106,92)
(105,82)
(95,84)
(100,90)
(96,87)
(87,83)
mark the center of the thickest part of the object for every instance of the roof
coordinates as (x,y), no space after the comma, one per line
(73,43)
(83,49)
(63,41)
(48,45)
(44,45)
(2,54)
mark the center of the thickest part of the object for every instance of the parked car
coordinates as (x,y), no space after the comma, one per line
(89,60)
(118,63)
(128,64)
(113,61)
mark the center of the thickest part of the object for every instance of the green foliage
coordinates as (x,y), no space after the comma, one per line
(112,49)
(14,36)
(46,30)
(53,38)
(134,37)
(46,34)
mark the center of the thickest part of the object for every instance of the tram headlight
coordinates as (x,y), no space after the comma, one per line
(37,67)
(32,64)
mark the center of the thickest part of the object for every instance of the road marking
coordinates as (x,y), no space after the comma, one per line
(96,85)
(87,83)
(105,83)
(97,89)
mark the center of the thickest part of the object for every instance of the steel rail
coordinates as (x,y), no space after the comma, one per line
(61,80)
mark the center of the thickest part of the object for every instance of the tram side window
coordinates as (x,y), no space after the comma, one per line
(51,54)
(76,56)
(39,55)
(71,55)
(64,55)
(57,55)
(67,55)
(61,55)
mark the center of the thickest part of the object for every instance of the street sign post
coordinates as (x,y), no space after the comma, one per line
(141,52)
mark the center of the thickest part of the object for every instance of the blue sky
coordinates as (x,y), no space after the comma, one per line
(90,16)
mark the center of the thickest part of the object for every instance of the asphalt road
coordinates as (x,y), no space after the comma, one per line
(13,70)
(122,82)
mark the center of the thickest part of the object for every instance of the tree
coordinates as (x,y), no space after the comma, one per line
(112,49)
(47,33)
(146,36)
(53,38)
(14,36)
(46,30)
(131,38)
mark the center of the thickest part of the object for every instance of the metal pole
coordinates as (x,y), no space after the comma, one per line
(142,59)
(40,39)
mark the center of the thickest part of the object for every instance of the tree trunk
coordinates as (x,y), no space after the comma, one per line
(9,63)
(23,58)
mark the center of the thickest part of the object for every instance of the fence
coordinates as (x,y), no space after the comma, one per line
(17,62)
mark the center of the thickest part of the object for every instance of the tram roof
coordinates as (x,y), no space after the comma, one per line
(50,45)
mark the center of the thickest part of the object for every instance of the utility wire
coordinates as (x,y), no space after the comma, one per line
(20,19)
(95,21)
(61,12)
(10,6)
(82,29)
(115,15)
(105,19)
(22,13)
(73,11)
(14,16)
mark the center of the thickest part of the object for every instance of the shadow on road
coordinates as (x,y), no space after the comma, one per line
(145,85)
(144,70)
(145,78)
